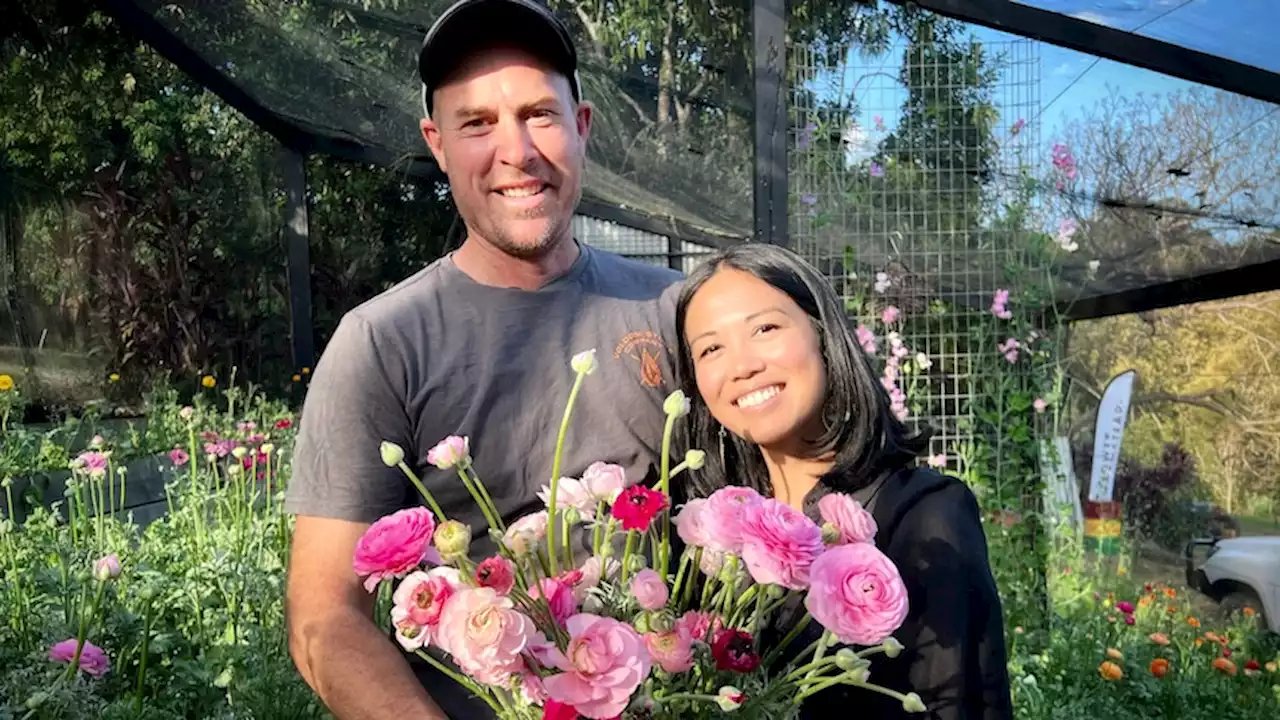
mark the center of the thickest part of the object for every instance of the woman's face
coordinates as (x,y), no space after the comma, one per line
(757,359)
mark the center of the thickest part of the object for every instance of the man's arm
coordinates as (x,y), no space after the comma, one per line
(342,654)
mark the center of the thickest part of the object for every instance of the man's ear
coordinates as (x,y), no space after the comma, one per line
(583,116)
(431,134)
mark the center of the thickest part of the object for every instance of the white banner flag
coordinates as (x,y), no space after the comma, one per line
(1113,413)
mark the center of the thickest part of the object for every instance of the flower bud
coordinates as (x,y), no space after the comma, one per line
(449,452)
(35,701)
(571,515)
(636,562)
(695,459)
(641,623)
(676,404)
(830,534)
(584,363)
(662,621)
(892,648)
(847,659)
(107,568)
(730,698)
(392,454)
(267,448)
(452,539)
(239,452)
(913,703)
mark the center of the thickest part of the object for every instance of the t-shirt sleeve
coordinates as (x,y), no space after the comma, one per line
(356,400)
(954,655)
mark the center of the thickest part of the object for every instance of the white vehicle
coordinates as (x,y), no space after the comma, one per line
(1239,572)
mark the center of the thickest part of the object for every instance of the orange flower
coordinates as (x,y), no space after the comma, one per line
(1145,600)
(1173,609)
(1224,666)
(1159,667)
(1193,622)
(1212,636)
(1199,642)
(1249,611)
(1115,654)
(1110,671)
(1159,638)
(1170,593)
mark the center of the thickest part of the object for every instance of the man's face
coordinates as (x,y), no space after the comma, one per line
(506,131)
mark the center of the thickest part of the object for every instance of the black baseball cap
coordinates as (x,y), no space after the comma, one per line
(469,24)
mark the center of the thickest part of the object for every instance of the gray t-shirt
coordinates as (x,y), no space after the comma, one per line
(440,354)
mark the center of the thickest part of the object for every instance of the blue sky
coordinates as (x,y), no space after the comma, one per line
(1241,30)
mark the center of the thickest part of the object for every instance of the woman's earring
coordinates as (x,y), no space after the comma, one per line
(722,447)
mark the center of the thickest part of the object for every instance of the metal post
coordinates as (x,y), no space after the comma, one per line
(297,243)
(768,32)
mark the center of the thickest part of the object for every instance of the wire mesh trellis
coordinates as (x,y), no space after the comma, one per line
(641,245)
(910,176)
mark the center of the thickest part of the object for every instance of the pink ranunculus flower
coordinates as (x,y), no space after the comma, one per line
(496,572)
(525,534)
(711,562)
(691,524)
(531,688)
(650,591)
(394,545)
(672,651)
(424,594)
(570,493)
(449,452)
(779,543)
(724,514)
(604,664)
(854,523)
(559,597)
(855,591)
(594,570)
(699,625)
(92,658)
(485,635)
(604,481)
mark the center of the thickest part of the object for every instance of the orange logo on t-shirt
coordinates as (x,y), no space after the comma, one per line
(646,348)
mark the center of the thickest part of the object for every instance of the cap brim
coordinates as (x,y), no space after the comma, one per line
(468,26)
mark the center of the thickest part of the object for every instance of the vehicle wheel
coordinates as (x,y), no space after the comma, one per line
(1237,600)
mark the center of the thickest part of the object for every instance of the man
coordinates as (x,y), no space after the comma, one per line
(478,344)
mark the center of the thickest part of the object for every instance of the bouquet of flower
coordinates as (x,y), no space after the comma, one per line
(537,634)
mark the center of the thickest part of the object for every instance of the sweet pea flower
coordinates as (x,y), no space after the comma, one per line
(605,662)
(856,592)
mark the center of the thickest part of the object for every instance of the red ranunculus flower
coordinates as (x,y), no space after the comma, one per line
(637,506)
(734,650)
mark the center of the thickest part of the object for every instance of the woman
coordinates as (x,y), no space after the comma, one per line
(785,401)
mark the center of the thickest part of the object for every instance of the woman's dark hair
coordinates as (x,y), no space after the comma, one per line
(871,441)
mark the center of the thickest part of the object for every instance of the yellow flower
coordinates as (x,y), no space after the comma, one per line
(297,377)
(6,383)
(306,371)
(114,377)
(208,381)
(1110,671)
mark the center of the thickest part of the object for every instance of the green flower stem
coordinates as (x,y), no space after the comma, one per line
(695,565)
(484,491)
(555,470)
(693,697)
(477,496)
(568,542)
(788,639)
(662,557)
(626,553)
(422,489)
(86,619)
(142,663)
(465,682)
(678,586)
(597,532)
